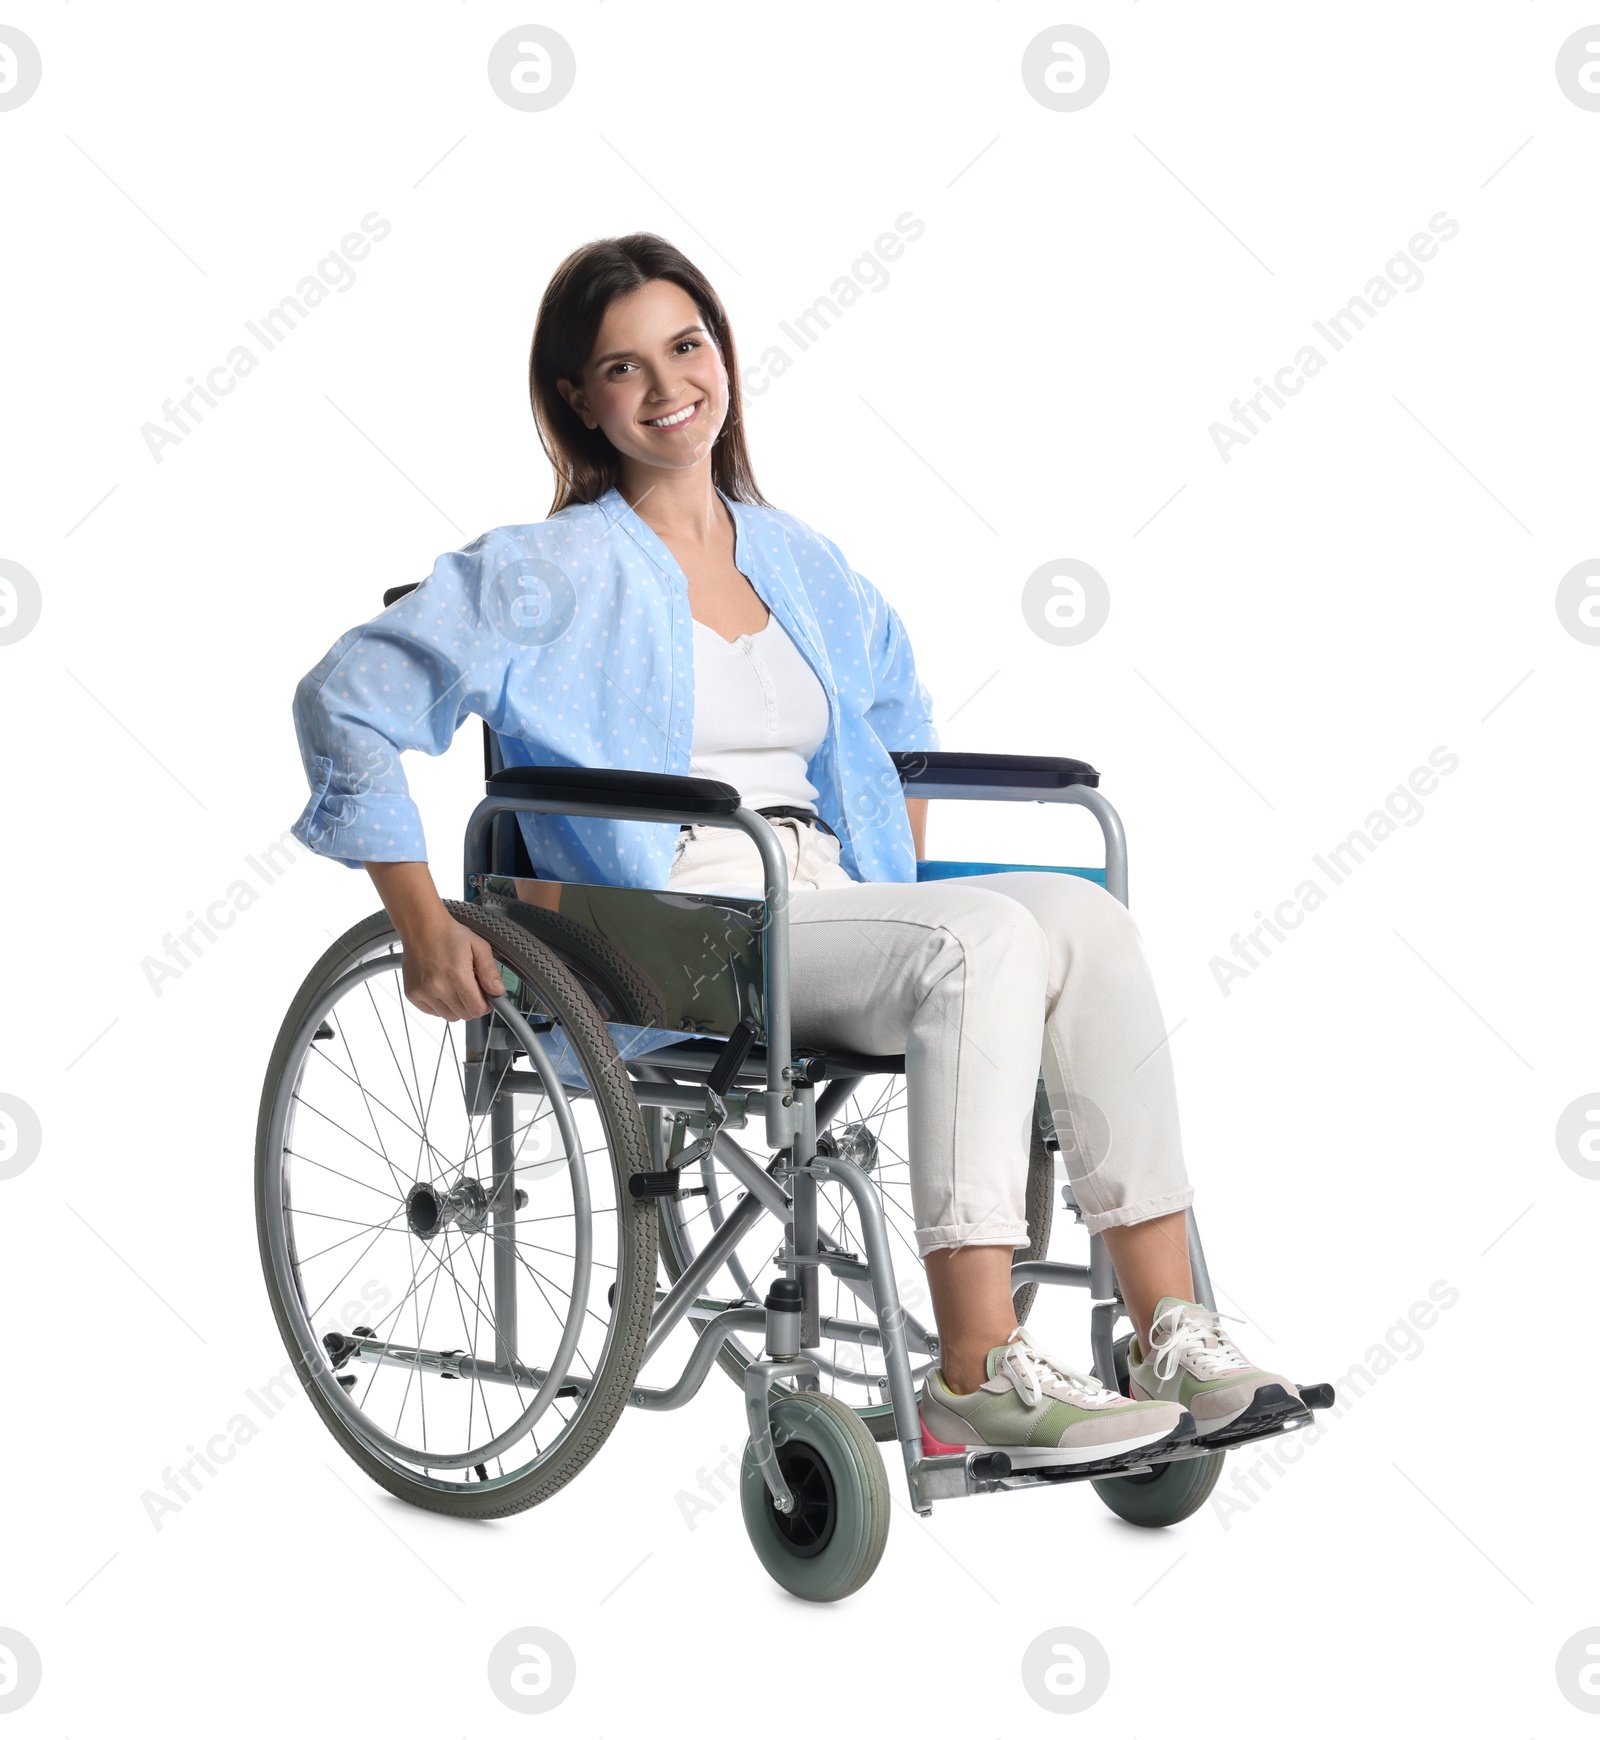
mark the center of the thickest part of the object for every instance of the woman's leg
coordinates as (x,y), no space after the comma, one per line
(972,1305)
(953,978)
(1108,1077)
(1152,1263)
(950,973)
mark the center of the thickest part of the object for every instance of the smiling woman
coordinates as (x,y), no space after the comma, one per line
(666,618)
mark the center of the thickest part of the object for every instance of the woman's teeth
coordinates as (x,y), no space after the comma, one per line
(674,420)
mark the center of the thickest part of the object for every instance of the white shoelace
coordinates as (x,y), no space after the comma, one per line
(1030,1369)
(1195,1336)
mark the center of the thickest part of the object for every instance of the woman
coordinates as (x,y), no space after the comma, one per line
(666,618)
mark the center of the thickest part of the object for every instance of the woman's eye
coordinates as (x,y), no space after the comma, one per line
(682,344)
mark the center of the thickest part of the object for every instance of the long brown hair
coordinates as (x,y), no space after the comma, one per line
(574,304)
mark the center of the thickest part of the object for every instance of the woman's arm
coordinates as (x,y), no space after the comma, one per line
(448,968)
(405,681)
(917,810)
(901,713)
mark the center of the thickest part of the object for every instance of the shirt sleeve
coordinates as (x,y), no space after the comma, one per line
(901,713)
(405,680)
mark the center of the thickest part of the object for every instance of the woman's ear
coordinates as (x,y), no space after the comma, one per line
(574,397)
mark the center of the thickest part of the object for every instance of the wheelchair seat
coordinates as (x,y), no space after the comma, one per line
(694,1055)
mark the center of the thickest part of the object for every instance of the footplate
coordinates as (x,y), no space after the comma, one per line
(963,1473)
(1274,1412)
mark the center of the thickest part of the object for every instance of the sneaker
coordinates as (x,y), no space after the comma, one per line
(1031,1400)
(1195,1364)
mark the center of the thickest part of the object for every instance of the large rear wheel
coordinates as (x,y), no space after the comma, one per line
(458,1270)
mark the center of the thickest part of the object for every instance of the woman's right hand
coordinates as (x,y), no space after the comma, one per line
(449,970)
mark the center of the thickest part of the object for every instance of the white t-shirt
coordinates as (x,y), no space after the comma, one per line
(759,715)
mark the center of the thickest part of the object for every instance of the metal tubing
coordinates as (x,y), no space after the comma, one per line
(684,1096)
(502,1144)
(875,1236)
(453,1364)
(1199,1275)
(775,867)
(1051,1274)
(1103,1303)
(804,1219)
(856,1278)
(707,1260)
(706,1349)
(1116,843)
(753,1176)
(1087,796)
(758,1376)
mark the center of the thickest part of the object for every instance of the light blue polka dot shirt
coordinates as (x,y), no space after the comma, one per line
(573,639)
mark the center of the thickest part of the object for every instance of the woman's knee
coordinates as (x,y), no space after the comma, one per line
(996,932)
(1076,911)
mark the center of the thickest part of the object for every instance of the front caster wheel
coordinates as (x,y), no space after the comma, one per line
(831,1542)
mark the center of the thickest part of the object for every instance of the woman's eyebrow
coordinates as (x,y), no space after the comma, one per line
(615,355)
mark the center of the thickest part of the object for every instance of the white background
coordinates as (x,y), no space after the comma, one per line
(1291,632)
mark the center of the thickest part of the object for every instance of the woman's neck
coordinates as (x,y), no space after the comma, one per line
(678,506)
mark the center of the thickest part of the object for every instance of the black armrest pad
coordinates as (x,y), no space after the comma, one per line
(947,767)
(604,785)
(396,593)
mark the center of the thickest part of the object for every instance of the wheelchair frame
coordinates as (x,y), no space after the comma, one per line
(787,1102)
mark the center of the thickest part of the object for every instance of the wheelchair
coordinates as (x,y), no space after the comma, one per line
(476,1235)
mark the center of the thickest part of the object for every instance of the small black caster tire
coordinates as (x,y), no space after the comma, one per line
(831,1544)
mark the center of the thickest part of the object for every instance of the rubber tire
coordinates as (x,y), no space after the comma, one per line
(834,1433)
(1171,1492)
(619,990)
(533,961)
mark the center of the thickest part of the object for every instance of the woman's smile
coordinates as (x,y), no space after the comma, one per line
(680,419)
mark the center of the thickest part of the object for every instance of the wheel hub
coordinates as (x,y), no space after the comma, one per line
(854,1142)
(430,1210)
(807,1528)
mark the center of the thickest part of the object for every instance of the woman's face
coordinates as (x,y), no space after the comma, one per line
(653,360)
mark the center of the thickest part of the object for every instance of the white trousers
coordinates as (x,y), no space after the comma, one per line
(982,982)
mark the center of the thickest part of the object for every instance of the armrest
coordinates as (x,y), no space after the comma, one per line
(604,785)
(946,768)
(396,593)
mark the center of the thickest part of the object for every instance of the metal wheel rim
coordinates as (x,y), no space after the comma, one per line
(408,1458)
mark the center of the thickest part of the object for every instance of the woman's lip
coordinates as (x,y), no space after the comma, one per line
(677,426)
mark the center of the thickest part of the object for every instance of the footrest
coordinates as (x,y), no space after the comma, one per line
(1316,1395)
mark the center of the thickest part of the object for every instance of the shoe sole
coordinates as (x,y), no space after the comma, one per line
(1270,1410)
(1128,1454)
